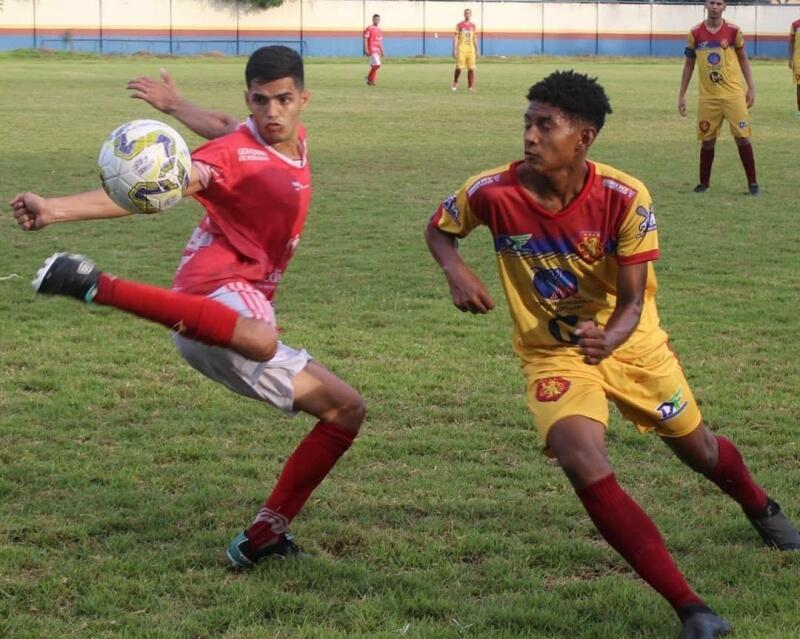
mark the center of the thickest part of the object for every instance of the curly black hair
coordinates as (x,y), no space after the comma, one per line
(576,94)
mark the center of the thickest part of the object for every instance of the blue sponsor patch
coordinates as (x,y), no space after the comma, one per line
(555,283)
(648,222)
(449,205)
(713,58)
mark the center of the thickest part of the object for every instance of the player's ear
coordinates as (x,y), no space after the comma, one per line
(305,96)
(587,137)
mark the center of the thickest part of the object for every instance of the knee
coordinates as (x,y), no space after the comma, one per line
(584,466)
(350,413)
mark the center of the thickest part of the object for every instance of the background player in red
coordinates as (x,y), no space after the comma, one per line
(574,243)
(717,47)
(794,59)
(373,48)
(254,183)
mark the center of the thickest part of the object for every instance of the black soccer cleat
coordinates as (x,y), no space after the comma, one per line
(700,622)
(775,528)
(67,274)
(700,188)
(752,189)
(241,554)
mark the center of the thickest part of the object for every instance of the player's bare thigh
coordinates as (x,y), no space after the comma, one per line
(318,392)
(579,445)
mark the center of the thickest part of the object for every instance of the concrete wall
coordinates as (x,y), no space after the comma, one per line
(333,27)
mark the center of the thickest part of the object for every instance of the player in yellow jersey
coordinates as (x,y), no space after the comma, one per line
(717,48)
(575,243)
(465,50)
(794,58)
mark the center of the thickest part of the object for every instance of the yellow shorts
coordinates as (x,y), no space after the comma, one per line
(650,390)
(711,112)
(466,58)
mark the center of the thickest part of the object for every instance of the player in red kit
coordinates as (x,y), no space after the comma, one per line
(255,185)
(373,48)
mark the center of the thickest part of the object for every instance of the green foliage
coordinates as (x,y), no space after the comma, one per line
(123,473)
(258,4)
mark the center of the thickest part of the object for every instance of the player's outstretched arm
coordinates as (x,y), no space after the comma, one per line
(596,343)
(466,288)
(33,212)
(164,96)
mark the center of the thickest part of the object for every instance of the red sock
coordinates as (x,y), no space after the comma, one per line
(628,530)
(456,75)
(706,160)
(373,72)
(193,316)
(470,78)
(748,162)
(307,466)
(732,476)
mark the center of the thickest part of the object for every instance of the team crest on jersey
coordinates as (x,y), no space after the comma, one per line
(724,44)
(450,206)
(589,246)
(648,222)
(551,389)
(555,283)
(704,125)
(673,407)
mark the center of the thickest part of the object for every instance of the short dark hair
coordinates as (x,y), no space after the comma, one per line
(576,94)
(376,15)
(273,63)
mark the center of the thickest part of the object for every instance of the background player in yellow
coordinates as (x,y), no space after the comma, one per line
(794,59)
(717,48)
(575,242)
(465,50)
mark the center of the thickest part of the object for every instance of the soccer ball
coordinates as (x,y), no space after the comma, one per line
(145,166)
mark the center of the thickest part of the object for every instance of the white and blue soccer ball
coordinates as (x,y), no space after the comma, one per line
(145,166)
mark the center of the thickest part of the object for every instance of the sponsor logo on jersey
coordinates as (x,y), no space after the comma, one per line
(299,186)
(704,125)
(479,184)
(452,209)
(714,58)
(555,283)
(515,243)
(589,246)
(551,389)
(648,222)
(742,124)
(250,155)
(620,188)
(715,77)
(673,407)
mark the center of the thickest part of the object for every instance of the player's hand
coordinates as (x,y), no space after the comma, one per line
(162,95)
(592,342)
(682,105)
(30,211)
(750,98)
(468,292)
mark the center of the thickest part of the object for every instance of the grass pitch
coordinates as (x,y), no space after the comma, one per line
(123,473)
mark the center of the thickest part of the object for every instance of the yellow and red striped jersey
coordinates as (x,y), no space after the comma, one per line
(717,62)
(560,268)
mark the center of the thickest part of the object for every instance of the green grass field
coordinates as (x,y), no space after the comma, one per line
(124,473)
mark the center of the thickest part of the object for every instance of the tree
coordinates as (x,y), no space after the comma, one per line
(259,4)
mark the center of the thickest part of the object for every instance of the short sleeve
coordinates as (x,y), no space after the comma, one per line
(738,41)
(638,238)
(455,215)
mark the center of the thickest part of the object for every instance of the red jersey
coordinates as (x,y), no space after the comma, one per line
(256,203)
(374,39)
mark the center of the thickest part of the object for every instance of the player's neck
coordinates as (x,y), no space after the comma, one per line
(714,24)
(292,149)
(554,191)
